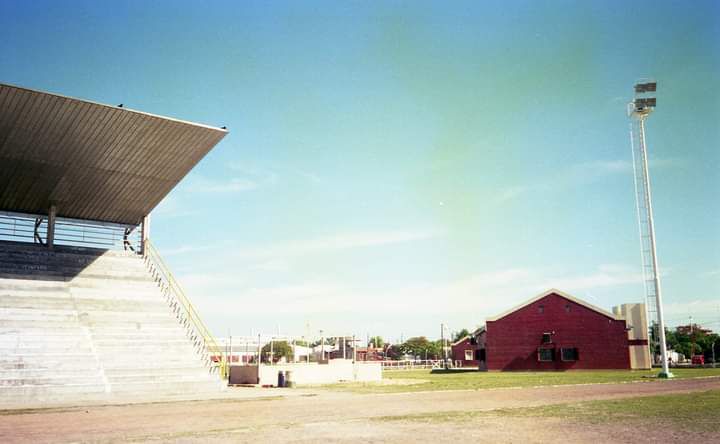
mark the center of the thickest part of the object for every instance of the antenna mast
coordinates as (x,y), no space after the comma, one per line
(639,109)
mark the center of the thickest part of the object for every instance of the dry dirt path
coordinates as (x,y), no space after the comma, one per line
(315,415)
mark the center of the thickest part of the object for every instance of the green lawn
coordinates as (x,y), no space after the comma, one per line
(425,380)
(693,410)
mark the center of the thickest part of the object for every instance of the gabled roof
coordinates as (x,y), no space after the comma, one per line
(460,340)
(475,332)
(562,295)
(93,161)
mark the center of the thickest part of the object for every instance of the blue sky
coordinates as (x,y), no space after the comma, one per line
(394,165)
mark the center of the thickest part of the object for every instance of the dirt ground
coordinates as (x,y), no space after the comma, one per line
(305,416)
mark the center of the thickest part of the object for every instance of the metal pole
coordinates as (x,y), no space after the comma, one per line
(144,234)
(259,357)
(653,253)
(442,344)
(322,346)
(51,227)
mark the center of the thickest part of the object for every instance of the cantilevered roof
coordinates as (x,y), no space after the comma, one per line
(93,161)
(562,295)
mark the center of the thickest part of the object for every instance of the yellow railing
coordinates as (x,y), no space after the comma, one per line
(203,340)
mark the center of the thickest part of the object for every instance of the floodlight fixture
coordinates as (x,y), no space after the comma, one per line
(645,87)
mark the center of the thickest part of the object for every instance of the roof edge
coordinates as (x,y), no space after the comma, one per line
(561,294)
(186,122)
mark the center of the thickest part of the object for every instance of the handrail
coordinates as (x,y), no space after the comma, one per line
(203,340)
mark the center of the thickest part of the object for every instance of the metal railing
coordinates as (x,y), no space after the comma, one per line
(31,228)
(416,364)
(203,341)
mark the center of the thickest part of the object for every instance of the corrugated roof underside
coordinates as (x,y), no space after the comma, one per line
(93,161)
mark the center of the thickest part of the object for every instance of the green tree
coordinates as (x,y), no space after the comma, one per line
(376,341)
(460,334)
(394,352)
(422,348)
(280,349)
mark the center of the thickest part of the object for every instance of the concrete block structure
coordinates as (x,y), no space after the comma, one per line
(635,317)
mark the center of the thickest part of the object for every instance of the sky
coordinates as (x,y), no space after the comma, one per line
(391,166)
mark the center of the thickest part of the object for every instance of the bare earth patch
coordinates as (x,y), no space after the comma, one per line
(334,416)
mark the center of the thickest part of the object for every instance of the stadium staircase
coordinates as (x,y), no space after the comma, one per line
(80,325)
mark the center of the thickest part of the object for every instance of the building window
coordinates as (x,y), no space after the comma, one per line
(547,338)
(468,355)
(569,354)
(546,354)
(541,309)
(480,354)
(567,308)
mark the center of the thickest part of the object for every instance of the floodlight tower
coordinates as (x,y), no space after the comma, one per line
(638,110)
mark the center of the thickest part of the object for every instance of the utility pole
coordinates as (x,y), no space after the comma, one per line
(692,340)
(442,343)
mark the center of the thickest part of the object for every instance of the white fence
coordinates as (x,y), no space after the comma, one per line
(418,364)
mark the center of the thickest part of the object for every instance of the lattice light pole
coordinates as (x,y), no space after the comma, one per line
(639,109)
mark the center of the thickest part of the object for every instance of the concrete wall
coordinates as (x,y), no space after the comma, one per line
(513,341)
(337,370)
(636,319)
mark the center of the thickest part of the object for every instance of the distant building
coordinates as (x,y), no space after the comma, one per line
(692,328)
(469,351)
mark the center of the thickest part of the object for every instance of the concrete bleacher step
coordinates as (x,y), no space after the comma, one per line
(67,379)
(74,319)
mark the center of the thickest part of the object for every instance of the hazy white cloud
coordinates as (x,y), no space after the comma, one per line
(580,174)
(273,254)
(703,311)
(510,193)
(231,185)
(254,173)
(481,295)
(170,207)
(336,242)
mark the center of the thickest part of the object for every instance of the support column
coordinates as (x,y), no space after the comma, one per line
(51,227)
(145,234)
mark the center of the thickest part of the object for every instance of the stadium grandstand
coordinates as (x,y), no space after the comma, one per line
(89,313)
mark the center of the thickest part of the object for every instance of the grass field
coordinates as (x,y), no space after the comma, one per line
(696,411)
(424,380)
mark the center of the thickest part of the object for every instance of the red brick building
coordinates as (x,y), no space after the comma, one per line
(469,351)
(556,331)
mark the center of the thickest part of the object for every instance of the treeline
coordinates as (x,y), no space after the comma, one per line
(698,343)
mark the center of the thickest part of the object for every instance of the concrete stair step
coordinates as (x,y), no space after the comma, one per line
(171,387)
(43,372)
(39,393)
(36,323)
(23,349)
(158,370)
(58,314)
(43,331)
(164,378)
(32,284)
(95,378)
(36,302)
(140,342)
